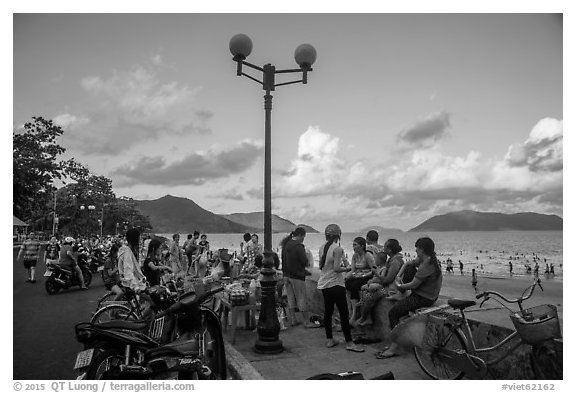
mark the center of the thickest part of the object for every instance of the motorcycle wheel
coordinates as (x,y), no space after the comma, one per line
(113,312)
(87,277)
(52,287)
(213,352)
(106,365)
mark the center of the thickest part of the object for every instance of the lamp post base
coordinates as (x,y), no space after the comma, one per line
(268,348)
(268,327)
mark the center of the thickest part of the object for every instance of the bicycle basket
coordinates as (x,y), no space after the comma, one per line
(537,324)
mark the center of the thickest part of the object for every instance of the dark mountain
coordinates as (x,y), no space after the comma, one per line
(468,220)
(381,230)
(256,220)
(171,214)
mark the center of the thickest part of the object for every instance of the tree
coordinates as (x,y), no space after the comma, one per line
(35,166)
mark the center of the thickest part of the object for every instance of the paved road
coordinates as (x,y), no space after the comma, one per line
(44,343)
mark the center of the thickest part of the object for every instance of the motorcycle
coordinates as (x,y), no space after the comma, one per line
(59,277)
(95,260)
(184,341)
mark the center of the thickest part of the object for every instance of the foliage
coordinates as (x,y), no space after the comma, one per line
(35,165)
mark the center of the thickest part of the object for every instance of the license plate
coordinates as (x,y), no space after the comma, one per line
(100,268)
(84,358)
(47,273)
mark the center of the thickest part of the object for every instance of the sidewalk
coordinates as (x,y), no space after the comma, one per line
(306,355)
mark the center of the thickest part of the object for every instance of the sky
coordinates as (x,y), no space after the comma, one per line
(405,116)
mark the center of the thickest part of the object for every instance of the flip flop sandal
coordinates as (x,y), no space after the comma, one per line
(366,340)
(332,344)
(384,355)
(355,349)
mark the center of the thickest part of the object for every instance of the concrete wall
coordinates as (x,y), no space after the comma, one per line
(516,366)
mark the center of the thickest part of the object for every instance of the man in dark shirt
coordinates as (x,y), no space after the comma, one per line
(294,263)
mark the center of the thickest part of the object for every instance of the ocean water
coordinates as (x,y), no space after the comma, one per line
(487,252)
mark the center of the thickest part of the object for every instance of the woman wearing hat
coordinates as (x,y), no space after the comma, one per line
(331,283)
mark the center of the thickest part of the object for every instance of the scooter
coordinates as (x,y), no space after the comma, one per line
(183,342)
(59,277)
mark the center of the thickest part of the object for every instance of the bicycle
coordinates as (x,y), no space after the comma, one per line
(448,350)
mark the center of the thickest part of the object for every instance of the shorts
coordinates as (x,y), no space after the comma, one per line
(296,293)
(51,261)
(28,263)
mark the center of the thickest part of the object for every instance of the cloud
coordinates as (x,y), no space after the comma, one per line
(319,167)
(69,121)
(132,106)
(425,133)
(231,194)
(425,182)
(194,169)
(543,149)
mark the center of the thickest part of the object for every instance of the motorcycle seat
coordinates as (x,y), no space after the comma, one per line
(125,325)
(188,347)
(64,268)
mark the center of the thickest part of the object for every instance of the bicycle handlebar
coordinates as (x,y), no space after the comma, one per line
(486,294)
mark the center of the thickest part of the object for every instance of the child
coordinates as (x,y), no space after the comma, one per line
(474,280)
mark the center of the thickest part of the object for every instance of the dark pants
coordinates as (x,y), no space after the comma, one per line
(403,307)
(336,296)
(354,284)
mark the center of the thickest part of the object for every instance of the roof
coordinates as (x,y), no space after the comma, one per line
(19,223)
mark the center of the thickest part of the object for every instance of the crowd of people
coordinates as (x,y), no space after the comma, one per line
(354,287)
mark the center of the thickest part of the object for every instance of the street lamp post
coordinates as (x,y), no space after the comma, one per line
(268,327)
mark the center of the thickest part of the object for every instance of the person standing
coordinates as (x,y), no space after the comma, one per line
(29,254)
(201,261)
(461,265)
(294,263)
(474,280)
(331,283)
(153,267)
(52,251)
(510,267)
(175,256)
(190,248)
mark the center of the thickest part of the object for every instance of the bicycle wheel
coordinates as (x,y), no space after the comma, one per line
(113,312)
(546,361)
(439,336)
(108,297)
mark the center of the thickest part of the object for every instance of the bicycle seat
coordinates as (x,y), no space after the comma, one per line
(457,304)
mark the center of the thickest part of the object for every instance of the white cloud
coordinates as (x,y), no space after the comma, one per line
(135,105)
(69,121)
(543,149)
(427,182)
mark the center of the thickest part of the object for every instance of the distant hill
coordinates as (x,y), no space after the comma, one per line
(381,230)
(173,214)
(468,220)
(256,220)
